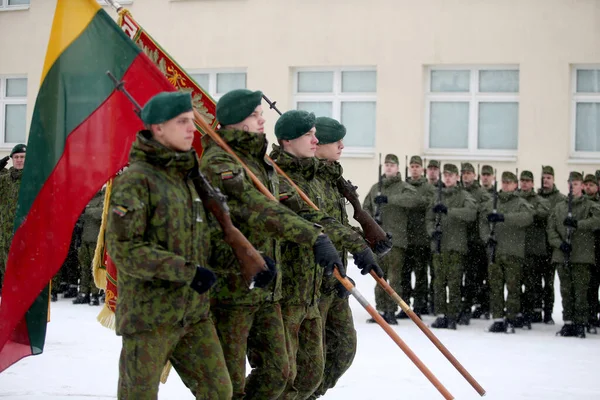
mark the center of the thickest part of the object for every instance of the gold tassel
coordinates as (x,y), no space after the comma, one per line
(98,268)
(107,318)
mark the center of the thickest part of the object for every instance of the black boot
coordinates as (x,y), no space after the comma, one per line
(536,317)
(548,318)
(54,297)
(497,327)
(568,330)
(71,292)
(580,331)
(464,318)
(94,300)
(452,324)
(509,326)
(402,315)
(519,321)
(390,318)
(441,323)
(82,298)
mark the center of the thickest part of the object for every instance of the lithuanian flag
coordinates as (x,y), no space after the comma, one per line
(80,135)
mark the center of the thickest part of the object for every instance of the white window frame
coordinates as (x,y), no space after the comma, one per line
(473,97)
(212,78)
(9,100)
(336,98)
(121,2)
(5,7)
(581,157)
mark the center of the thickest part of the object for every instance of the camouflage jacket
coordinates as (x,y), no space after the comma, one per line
(266,223)
(510,234)
(92,218)
(461,211)
(9,195)
(417,229)
(535,234)
(157,233)
(481,196)
(402,198)
(587,214)
(553,196)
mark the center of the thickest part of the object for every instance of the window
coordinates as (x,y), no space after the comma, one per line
(121,2)
(586,112)
(13,110)
(14,4)
(472,111)
(219,82)
(346,94)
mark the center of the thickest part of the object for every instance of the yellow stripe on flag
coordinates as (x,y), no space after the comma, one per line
(70,19)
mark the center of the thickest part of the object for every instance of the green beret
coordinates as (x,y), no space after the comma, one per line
(416,160)
(453,169)
(590,178)
(329,130)
(487,170)
(20,148)
(165,106)
(575,176)
(293,124)
(526,175)
(391,158)
(546,169)
(467,167)
(508,176)
(236,105)
(433,164)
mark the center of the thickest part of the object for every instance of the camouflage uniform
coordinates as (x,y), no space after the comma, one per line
(250,321)
(402,197)
(157,233)
(91,219)
(9,193)
(449,263)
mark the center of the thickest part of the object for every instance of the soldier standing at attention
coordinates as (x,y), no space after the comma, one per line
(159,239)
(487,178)
(510,220)
(549,192)
(418,252)
(249,322)
(9,193)
(535,250)
(476,289)
(453,214)
(397,198)
(572,238)
(591,191)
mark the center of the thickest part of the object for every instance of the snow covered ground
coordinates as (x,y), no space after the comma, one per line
(81,358)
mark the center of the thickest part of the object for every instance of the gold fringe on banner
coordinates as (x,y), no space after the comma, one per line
(98,267)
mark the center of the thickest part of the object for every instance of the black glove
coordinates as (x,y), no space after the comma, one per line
(327,256)
(495,217)
(341,290)
(540,219)
(440,209)
(436,236)
(365,260)
(383,246)
(203,280)
(566,247)
(570,222)
(263,278)
(381,199)
(4,162)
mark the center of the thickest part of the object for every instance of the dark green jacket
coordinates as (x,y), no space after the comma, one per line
(587,214)
(417,229)
(402,198)
(510,234)
(553,196)
(157,233)
(266,223)
(462,210)
(92,218)
(481,196)
(9,195)
(535,234)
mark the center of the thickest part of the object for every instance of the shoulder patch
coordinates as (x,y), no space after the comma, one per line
(283,196)
(226,175)
(120,210)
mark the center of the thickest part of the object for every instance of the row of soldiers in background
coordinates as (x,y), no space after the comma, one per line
(476,239)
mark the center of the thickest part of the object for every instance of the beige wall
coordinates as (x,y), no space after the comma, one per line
(398,37)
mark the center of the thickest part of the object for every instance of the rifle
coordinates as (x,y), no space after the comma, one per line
(425,167)
(377,216)
(518,180)
(478,175)
(405,168)
(568,239)
(542,180)
(492,241)
(438,219)
(251,262)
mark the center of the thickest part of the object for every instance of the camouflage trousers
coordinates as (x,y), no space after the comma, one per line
(417,258)
(86,257)
(448,273)
(533,271)
(392,265)
(574,284)
(194,351)
(476,288)
(304,341)
(339,338)
(594,308)
(506,269)
(256,331)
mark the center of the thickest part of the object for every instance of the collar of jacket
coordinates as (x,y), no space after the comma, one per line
(506,196)
(146,149)
(15,174)
(528,195)
(331,171)
(307,167)
(451,190)
(390,181)
(472,187)
(417,182)
(548,194)
(251,144)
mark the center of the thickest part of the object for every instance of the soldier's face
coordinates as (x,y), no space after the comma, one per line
(548,181)
(591,188)
(433,173)
(330,151)
(177,133)
(450,179)
(526,185)
(303,147)
(577,188)
(416,170)
(253,123)
(487,180)
(509,186)
(391,169)
(468,178)
(18,160)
